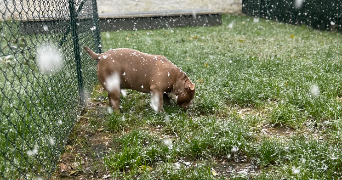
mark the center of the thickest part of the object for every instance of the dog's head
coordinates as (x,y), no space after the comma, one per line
(185,94)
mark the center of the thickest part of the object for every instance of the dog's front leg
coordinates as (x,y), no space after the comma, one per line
(157,101)
(114,100)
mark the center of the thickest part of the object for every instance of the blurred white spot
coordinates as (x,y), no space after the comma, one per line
(39,178)
(93,28)
(104,57)
(9,57)
(333,157)
(298,3)
(51,141)
(194,14)
(33,151)
(155,102)
(255,20)
(187,163)
(106,176)
(234,149)
(230,26)
(142,86)
(168,142)
(113,82)
(107,35)
(177,165)
(315,90)
(60,122)
(124,92)
(243,172)
(168,74)
(109,110)
(295,170)
(167,118)
(332,23)
(49,59)
(45,27)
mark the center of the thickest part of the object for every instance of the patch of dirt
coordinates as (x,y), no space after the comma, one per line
(286,133)
(87,146)
(229,168)
(237,166)
(264,129)
(276,132)
(243,112)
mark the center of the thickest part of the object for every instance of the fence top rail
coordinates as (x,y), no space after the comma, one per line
(159,13)
(44,10)
(126,15)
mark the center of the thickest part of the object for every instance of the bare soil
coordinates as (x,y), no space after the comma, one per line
(86,147)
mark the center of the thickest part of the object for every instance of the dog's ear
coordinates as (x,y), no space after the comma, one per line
(192,86)
(189,84)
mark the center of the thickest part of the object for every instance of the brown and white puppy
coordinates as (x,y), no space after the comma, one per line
(131,69)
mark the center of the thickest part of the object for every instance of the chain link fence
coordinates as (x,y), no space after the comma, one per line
(320,14)
(44,80)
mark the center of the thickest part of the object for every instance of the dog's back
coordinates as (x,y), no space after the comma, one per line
(137,70)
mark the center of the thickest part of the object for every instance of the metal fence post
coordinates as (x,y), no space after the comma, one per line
(73,23)
(97,32)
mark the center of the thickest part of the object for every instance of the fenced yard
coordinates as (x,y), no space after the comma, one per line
(39,98)
(267,106)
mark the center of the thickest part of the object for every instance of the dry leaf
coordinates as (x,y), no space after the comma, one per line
(100,130)
(62,167)
(69,148)
(214,172)
(145,168)
(194,37)
(73,172)
(200,80)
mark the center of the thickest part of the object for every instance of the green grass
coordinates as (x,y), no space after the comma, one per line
(251,80)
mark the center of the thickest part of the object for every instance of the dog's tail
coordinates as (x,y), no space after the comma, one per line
(92,54)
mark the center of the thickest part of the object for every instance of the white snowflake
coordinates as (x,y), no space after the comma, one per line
(49,59)
(155,102)
(295,170)
(113,82)
(315,90)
